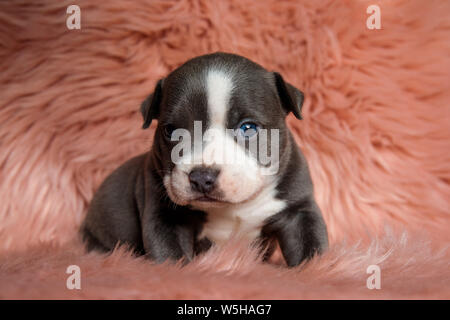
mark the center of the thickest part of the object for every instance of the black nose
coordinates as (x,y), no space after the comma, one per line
(203,179)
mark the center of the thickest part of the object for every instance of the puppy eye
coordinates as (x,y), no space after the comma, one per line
(248,129)
(168,130)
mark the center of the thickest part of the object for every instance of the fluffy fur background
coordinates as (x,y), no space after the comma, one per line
(376,135)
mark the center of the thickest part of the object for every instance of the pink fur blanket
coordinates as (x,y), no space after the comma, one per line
(376,133)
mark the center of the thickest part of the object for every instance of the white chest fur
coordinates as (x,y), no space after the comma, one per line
(244,220)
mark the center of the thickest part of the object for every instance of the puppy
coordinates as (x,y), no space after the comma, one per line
(204,180)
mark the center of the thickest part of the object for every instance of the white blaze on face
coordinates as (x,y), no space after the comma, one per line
(239,176)
(219,86)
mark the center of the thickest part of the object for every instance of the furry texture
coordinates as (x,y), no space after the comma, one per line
(376,135)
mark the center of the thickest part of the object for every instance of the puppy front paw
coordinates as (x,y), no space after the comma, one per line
(300,231)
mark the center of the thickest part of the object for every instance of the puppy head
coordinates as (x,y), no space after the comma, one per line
(221,130)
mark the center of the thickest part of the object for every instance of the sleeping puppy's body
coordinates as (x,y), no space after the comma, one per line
(189,193)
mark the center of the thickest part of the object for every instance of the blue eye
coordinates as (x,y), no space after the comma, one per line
(248,129)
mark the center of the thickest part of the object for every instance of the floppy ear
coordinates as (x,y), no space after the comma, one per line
(291,98)
(150,106)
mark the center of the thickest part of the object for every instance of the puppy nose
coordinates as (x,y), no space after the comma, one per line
(203,179)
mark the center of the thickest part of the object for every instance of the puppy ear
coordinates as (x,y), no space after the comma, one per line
(150,106)
(291,98)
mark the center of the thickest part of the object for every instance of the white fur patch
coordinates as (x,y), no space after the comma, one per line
(239,177)
(219,86)
(244,219)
